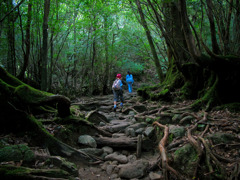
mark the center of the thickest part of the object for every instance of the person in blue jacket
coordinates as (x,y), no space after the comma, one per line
(129,80)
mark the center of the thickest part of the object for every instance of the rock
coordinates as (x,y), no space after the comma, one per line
(221,137)
(95,117)
(140,108)
(110,169)
(187,120)
(139,131)
(131,113)
(87,140)
(185,159)
(177,131)
(117,157)
(149,131)
(124,152)
(105,165)
(132,158)
(165,119)
(155,176)
(102,124)
(136,169)
(130,132)
(107,149)
(114,176)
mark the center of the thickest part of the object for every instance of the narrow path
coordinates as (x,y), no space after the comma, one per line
(120,155)
(123,159)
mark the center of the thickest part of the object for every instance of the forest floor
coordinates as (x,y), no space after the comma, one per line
(136,110)
(222,121)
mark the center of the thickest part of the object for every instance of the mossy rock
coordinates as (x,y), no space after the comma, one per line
(232,107)
(220,137)
(23,173)
(140,108)
(185,160)
(16,153)
(165,119)
(177,131)
(95,117)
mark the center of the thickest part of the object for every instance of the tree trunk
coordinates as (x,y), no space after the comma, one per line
(11,57)
(44,57)
(215,47)
(149,37)
(106,72)
(27,41)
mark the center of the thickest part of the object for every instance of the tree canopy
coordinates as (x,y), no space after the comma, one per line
(72,47)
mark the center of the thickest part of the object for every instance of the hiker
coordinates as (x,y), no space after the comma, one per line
(117,91)
(129,79)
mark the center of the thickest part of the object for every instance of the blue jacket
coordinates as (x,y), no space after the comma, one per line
(129,78)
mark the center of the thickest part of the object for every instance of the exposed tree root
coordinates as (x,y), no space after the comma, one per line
(162,149)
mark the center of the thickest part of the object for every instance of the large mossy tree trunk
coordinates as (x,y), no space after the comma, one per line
(19,103)
(209,78)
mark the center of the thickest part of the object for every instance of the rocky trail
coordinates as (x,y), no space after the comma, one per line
(149,141)
(125,155)
(191,144)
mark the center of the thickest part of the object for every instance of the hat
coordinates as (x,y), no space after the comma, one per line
(119,75)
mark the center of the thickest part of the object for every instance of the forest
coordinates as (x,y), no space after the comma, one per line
(58,61)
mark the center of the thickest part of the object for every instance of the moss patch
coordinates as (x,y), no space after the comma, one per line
(185,159)
(16,153)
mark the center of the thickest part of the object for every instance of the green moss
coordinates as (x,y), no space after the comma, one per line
(210,97)
(232,107)
(145,91)
(185,159)
(186,90)
(30,95)
(16,153)
(170,138)
(8,172)
(163,95)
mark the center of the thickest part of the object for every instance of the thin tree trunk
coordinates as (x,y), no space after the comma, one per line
(227,35)
(195,53)
(44,57)
(74,74)
(149,37)
(215,47)
(92,82)
(11,57)
(106,73)
(27,41)
(236,31)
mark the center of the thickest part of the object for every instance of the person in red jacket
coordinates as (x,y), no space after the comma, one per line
(117,91)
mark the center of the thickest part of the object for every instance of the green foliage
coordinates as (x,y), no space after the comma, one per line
(232,107)
(16,153)
(134,67)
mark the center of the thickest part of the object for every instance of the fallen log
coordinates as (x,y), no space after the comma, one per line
(121,142)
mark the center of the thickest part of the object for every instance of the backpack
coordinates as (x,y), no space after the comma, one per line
(116,84)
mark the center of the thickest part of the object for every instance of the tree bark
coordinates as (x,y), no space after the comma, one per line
(27,41)
(149,37)
(215,46)
(44,56)
(11,56)
(194,52)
